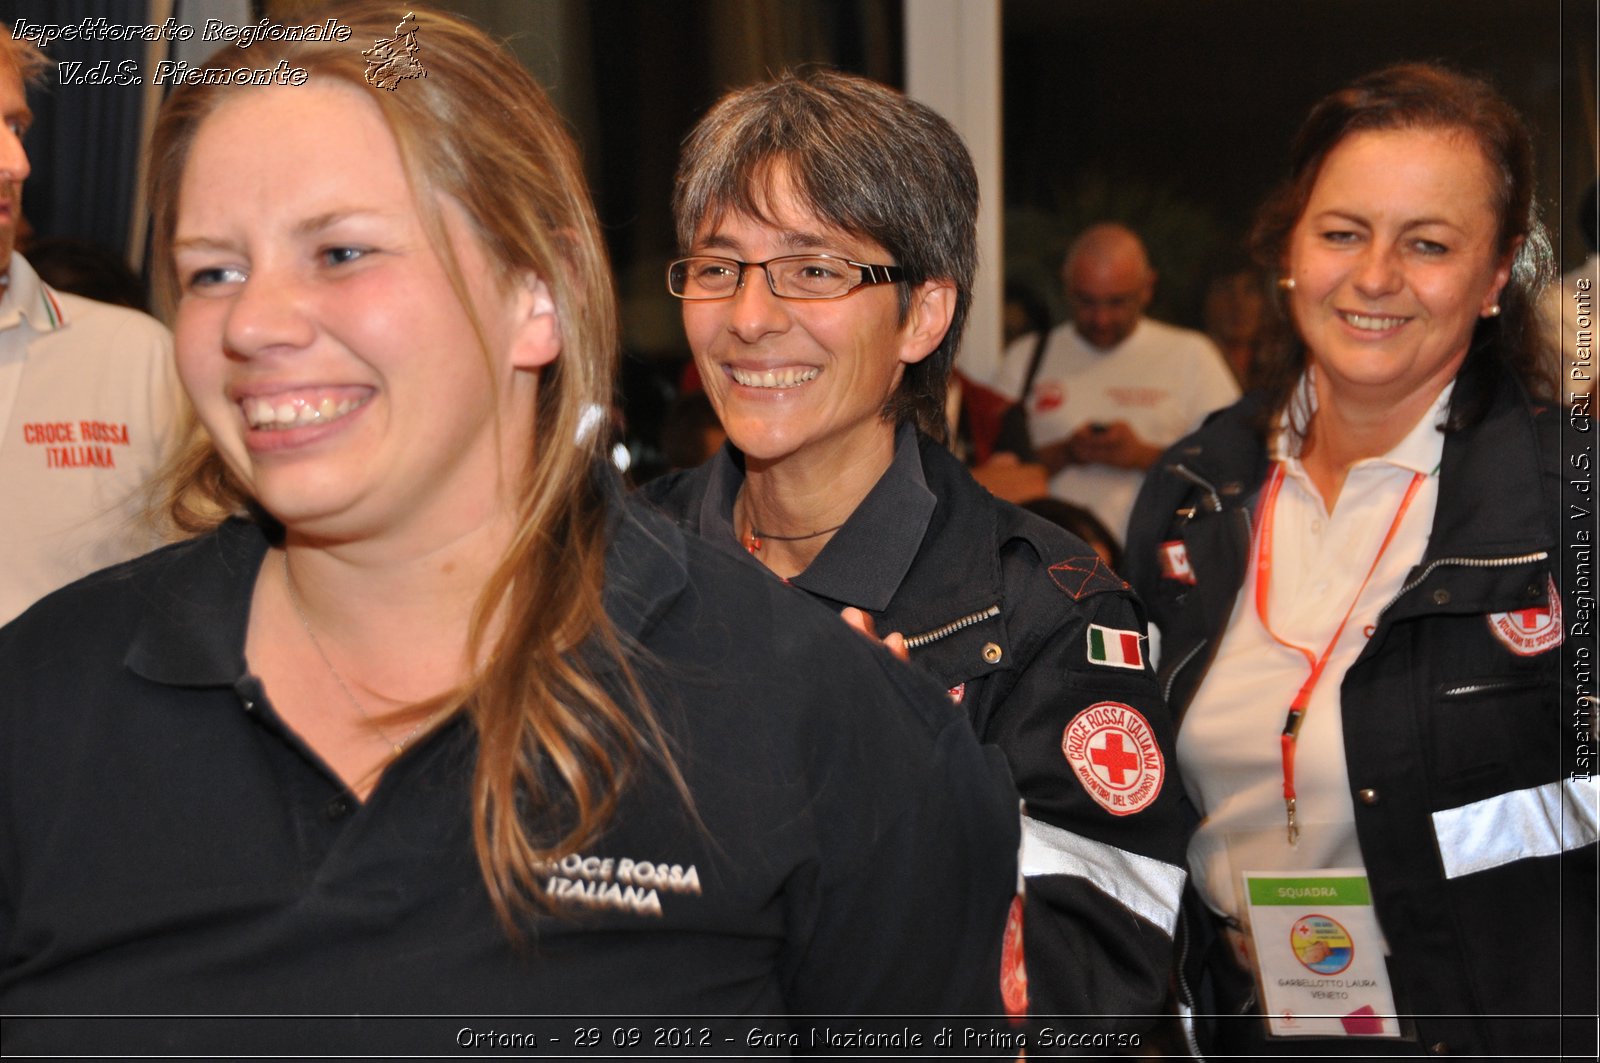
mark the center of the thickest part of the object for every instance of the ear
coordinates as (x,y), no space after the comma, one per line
(1148,292)
(536,328)
(933,305)
(1502,274)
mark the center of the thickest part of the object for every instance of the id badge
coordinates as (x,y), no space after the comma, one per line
(1319,954)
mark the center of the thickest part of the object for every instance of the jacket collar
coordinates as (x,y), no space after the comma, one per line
(866,560)
(1487,508)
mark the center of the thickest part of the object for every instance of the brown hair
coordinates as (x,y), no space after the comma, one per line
(478,129)
(1424,96)
(29,61)
(865,159)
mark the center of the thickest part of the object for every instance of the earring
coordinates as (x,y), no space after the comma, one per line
(1493,311)
(1286,283)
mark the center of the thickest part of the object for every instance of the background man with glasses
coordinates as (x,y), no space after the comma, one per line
(829,229)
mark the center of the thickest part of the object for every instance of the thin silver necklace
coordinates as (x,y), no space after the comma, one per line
(294,600)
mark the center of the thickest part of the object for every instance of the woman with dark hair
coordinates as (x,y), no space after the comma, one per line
(424,718)
(1354,574)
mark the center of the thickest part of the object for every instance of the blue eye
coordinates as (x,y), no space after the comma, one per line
(338,256)
(1431,247)
(213,276)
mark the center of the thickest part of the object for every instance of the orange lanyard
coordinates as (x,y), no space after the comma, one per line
(1302,700)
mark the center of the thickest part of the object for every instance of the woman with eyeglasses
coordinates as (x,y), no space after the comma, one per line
(828,225)
(425,720)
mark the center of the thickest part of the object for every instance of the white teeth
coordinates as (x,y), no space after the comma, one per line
(789,377)
(1374,324)
(264,414)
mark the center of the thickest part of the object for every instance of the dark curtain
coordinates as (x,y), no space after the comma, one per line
(84,146)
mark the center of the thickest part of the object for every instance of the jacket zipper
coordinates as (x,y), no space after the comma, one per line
(1172,676)
(1466,562)
(918,641)
(1461,690)
(1249,533)
(1186,998)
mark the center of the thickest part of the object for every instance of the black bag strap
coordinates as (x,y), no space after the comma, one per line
(1033,364)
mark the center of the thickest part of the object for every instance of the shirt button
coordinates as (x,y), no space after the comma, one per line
(1368,797)
(339,807)
(1441,597)
(992,653)
(1316,527)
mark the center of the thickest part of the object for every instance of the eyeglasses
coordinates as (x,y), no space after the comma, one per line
(789,276)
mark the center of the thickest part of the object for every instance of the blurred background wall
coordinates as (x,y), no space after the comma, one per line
(1171,115)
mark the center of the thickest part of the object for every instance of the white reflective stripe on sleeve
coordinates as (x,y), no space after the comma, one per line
(1142,884)
(1540,821)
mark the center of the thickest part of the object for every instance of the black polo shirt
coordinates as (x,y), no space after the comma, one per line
(168,846)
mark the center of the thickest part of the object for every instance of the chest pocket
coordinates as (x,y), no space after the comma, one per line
(962,654)
(1492,730)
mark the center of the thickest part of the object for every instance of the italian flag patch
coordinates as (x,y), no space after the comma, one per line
(1114,647)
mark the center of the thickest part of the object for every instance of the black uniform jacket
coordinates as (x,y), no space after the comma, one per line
(1474,810)
(168,846)
(998,605)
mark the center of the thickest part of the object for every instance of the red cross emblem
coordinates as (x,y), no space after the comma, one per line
(1531,619)
(1114,756)
(1531,631)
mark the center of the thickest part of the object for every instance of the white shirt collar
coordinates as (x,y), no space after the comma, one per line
(27,298)
(1420,450)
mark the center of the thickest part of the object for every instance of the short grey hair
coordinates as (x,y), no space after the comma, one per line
(865,159)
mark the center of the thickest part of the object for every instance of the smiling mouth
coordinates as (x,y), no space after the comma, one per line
(788,377)
(1372,322)
(281,413)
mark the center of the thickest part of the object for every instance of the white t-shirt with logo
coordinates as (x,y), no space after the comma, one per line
(88,403)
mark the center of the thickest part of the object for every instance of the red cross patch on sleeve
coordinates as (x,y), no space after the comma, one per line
(1114,755)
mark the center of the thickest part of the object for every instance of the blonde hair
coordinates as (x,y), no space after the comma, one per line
(478,129)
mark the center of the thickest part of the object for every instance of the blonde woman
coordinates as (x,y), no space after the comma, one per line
(425,718)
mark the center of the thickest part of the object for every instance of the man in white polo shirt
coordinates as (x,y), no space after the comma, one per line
(87,399)
(1114,388)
